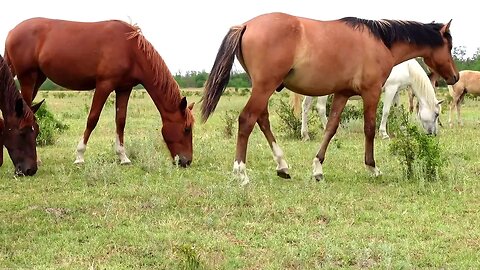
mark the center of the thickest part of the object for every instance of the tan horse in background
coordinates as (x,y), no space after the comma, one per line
(469,82)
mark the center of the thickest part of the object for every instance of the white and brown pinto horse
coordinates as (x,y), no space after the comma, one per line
(344,57)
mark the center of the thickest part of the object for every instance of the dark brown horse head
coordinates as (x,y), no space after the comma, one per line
(177,133)
(19,137)
(440,58)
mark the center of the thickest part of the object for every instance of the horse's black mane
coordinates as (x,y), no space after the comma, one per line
(391,31)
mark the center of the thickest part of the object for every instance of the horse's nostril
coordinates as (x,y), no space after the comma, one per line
(30,172)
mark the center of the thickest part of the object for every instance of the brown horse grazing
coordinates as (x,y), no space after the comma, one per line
(469,82)
(345,57)
(18,129)
(108,56)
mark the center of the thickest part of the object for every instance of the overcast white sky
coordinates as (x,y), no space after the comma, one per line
(187,33)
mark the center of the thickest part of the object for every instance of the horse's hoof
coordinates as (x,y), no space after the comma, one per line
(125,162)
(245,182)
(319,177)
(385,137)
(79,162)
(283,175)
(305,138)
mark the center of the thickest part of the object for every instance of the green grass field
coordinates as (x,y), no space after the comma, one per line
(152,215)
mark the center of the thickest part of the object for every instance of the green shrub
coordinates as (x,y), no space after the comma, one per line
(291,124)
(419,153)
(229,119)
(49,126)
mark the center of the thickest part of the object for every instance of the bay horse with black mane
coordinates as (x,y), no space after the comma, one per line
(108,56)
(346,57)
(18,129)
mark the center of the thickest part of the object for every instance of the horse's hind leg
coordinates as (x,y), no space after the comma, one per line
(121,103)
(99,97)
(264,124)
(307,102)
(246,121)
(338,103)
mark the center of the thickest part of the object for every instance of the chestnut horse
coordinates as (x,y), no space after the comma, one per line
(108,56)
(469,83)
(18,129)
(346,57)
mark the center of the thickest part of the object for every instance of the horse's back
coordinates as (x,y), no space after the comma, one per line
(469,81)
(314,57)
(70,53)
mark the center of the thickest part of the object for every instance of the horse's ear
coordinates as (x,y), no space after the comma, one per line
(440,101)
(190,106)
(183,104)
(446,27)
(37,106)
(19,107)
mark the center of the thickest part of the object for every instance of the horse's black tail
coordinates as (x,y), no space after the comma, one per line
(220,73)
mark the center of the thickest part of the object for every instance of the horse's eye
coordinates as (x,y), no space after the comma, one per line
(187,130)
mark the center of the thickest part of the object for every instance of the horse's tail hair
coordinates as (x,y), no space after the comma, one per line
(220,73)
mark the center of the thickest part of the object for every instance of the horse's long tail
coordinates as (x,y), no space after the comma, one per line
(220,73)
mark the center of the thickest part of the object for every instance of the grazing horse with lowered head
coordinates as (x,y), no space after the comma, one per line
(469,82)
(18,128)
(344,57)
(108,56)
(404,75)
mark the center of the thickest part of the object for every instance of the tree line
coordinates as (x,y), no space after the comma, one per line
(197,79)
(190,79)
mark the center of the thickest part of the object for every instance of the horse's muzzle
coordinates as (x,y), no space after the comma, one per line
(22,171)
(182,161)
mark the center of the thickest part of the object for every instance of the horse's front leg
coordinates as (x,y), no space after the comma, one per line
(322,110)
(246,121)
(338,103)
(390,93)
(307,102)
(370,102)
(264,124)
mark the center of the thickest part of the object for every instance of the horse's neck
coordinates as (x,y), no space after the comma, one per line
(164,92)
(420,84)
(402,51)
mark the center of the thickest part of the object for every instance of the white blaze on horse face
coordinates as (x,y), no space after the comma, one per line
(278,156)
(81,147)
(240,170)
(120,149)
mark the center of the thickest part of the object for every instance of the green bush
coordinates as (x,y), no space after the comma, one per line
(49,126)
(229,119)
(419,153)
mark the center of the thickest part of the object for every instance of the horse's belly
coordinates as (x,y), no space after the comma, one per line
(311,84)
(72,81)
